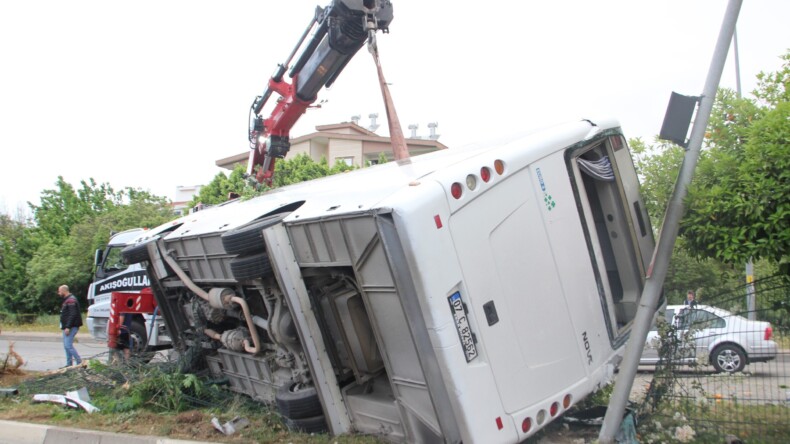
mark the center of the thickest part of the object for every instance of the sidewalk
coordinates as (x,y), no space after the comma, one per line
(25,433)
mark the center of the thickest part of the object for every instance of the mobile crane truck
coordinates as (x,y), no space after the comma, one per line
(468,295)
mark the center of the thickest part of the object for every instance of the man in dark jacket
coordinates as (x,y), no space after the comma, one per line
(70,322)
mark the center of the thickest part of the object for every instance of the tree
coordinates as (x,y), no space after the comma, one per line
(737,206)
(70,225)
(297,169)
(64,206)
(16,249)
(658,166)
(302,168)
(739,203)
(218,190)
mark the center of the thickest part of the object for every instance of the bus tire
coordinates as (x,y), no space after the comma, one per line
(314,424)
(251,267)
(248,237)
(296,401)
(136,253)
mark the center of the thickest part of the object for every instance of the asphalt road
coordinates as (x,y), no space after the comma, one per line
(44,351)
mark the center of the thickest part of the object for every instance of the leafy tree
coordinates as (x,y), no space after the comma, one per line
(70,225)
(48,269)
(63,207)
(17,246)
(297,169)
(218,190)
(737,206)
(302,168)
(739,203)
(658,166)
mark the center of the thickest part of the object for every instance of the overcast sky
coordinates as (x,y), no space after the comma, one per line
(149,94)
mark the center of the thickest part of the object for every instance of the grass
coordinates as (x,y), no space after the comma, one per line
(151,400)
(30,323)
(751,423)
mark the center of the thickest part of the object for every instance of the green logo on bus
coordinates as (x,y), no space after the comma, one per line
(548,201)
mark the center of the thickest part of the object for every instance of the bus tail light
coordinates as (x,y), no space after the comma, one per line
(499,167)
(471,182)
(526,425)
(456,190)
(555,408)
(566,401)
(485,174)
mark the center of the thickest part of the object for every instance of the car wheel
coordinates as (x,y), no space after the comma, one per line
(248,238)
(728,358)
(315,424)
(297,401)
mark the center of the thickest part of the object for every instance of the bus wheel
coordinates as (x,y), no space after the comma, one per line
(297,401)
(248,238)
(250,267)
(136,253)
(315,424)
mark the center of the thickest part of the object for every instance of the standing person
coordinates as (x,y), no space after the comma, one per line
(690,300)
(125,338)
(70,322)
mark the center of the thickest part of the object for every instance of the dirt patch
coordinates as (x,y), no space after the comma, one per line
(190,417)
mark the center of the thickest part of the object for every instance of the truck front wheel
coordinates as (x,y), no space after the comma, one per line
(138,342)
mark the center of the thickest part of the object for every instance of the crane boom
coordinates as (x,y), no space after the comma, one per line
(338,32)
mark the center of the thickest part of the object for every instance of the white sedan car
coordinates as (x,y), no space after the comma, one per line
(711,335)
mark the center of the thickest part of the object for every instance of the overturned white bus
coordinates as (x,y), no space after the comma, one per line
(471,294)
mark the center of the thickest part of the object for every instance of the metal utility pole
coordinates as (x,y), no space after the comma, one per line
(669,231)
(751,303)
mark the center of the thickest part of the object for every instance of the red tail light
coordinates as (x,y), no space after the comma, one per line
(526,425)
(769,332)
(555,408)
(485,174)
(456,190)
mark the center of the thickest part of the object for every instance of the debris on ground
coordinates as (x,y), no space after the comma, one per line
(231,426)
(74,399)
(12,361)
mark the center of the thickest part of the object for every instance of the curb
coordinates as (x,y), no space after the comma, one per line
(46,337)
(26,433)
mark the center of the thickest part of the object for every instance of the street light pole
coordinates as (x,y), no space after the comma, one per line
(669,231)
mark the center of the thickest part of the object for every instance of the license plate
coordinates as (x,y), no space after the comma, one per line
(462,325)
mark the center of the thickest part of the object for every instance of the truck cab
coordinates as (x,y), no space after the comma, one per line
(112,274)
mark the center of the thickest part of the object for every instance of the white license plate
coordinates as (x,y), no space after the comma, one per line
(462,325)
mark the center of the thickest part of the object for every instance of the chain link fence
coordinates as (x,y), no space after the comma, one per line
(723,371)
